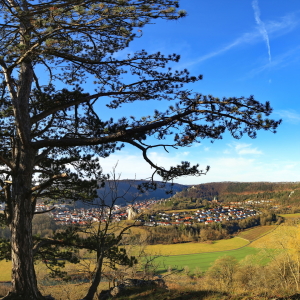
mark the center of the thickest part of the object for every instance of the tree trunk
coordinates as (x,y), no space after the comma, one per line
(23,274)
(96,280)
(24,283)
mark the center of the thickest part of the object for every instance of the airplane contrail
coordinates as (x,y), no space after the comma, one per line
(261,26)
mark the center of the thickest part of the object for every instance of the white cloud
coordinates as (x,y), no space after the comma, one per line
(239,146)
(243,149)
(249,151)
(232,167)
(261,26)
(290,116)
(248,169)
(278,62)
(133,166)
(274,28)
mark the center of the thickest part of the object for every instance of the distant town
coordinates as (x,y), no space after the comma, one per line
(64,214)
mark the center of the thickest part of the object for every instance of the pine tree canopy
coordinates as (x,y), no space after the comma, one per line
(49,44)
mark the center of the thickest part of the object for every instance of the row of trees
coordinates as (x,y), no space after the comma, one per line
(283,193)
(200,232)
(42,225)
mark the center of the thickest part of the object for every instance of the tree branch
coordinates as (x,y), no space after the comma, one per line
(6,162)
(53,110)
(48,182)
(44,211)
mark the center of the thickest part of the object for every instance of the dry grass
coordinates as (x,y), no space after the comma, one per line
(290,216)
(117,227)
(70,291)
(5,270)
(192,248)
(274,238)
(181,287)
(4,289)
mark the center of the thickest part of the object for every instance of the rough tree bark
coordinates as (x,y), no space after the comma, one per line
(24,282)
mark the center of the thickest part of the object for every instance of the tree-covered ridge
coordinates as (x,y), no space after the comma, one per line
(241,191)
(133,193)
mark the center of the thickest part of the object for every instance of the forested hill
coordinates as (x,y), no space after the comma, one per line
(284,192)
(240,191)
(128,192)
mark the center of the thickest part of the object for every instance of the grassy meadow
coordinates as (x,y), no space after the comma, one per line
(203,255)
(201,261)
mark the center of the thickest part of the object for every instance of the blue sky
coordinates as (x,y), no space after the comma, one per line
(242,48)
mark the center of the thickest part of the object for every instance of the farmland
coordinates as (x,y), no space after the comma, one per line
(277,238)
(194,248)
(201,260)
(202,255)
(255,233)
(192,258)
(290,216)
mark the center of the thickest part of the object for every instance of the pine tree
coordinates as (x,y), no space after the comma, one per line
(51,137)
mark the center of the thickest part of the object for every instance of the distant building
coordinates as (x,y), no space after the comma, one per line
(132,213)
(215,200)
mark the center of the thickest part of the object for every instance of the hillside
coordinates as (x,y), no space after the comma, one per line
(128,192)
(284,192)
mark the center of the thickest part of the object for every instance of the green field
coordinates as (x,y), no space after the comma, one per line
(201,260)
(202,255)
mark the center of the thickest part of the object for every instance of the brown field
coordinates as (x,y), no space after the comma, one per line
(255,233)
